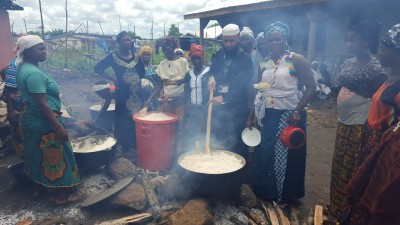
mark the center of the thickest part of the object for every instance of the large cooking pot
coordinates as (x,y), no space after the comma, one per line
(218,186)
(92,152)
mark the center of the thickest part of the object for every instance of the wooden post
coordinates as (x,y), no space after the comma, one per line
(26,30)
(41,17)
(119,19)
(313,15)
(66,34)
(203,24)
(101,27)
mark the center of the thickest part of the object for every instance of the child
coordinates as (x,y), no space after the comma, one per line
(196,98)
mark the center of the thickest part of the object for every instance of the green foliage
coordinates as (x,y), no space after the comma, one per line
(134,36)
(213,25)
(54,32)
(35,33)
(174,31)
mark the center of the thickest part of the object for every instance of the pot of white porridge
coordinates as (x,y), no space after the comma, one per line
(217,175)
(92,152)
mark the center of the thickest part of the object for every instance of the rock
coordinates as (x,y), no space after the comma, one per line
(247,197)
(133,196)
(195,212)
(172,188)
(121,168)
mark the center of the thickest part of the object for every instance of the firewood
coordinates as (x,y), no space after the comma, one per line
(281,216)
(151,197)
(254,216)
(271,214)
(127,220)
(318,219)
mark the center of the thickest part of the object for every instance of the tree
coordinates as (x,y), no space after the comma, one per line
(174,31)
(134,36)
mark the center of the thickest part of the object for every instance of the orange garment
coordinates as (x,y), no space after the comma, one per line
(381,115)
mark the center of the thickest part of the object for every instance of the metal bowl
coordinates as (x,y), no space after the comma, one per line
(217,186)
(91,160)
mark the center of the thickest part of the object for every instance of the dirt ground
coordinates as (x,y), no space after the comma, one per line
(77,95)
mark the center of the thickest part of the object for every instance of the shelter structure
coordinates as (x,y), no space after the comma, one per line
(318,26)
(6,42)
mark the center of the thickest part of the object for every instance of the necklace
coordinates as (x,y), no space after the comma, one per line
(277,65)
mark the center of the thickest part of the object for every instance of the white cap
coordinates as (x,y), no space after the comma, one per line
(230,30)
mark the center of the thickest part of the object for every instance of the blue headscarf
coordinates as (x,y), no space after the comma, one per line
(278,26)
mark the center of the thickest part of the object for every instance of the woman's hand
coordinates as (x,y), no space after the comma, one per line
(294,119)
(62,134)
(211,83)
(218,100)
(249,123)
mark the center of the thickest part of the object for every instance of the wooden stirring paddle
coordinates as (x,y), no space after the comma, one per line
(143,111)
(207,149)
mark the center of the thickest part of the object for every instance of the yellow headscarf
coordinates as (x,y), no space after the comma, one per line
(145,49)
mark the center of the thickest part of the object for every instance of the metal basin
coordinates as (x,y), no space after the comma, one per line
(92,152)
(218,186)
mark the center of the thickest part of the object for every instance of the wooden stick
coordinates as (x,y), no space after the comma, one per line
(283,219)
(207,149)
(318,215)
(270,211)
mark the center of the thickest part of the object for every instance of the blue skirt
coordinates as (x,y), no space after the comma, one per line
(278,172)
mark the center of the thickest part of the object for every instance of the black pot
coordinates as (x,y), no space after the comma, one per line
(107,119)
(217,186)
(90,161)
(17,171)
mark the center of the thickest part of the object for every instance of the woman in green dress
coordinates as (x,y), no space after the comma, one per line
(50,161)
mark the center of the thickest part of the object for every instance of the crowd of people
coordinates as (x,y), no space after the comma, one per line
(365,176)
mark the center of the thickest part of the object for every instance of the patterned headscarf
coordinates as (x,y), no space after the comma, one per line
(278,26)
(145,49)
(196,50)
(392,38)
(246,31)
(24,43)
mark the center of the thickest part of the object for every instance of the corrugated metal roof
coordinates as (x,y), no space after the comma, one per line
(214,6)
(9,5)
(237,6)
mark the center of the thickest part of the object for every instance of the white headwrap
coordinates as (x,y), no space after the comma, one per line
(24,43)
(230,30)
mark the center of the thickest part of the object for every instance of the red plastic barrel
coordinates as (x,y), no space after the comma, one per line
(155,142)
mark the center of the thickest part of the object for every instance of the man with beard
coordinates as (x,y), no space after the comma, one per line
(231,72)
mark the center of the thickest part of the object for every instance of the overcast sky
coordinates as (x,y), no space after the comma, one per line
(133,13)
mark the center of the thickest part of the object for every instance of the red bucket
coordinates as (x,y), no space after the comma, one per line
(155,142)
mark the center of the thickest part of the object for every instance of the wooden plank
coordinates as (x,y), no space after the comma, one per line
(151,197)
(271,214)
(281,216)
(318,219)
(127,220)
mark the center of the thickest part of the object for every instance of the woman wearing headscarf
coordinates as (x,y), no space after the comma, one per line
(49,160)
(374,190)
(279,172)
(127,80)
(170,86)
(359,78)
(196,98)
(149,82)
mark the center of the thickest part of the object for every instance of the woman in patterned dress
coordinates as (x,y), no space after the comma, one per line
(49,160)
(127,80)
(279,172)
(359,78)
(373,190)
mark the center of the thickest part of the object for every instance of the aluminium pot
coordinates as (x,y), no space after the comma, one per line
(217,186)
(93,159)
